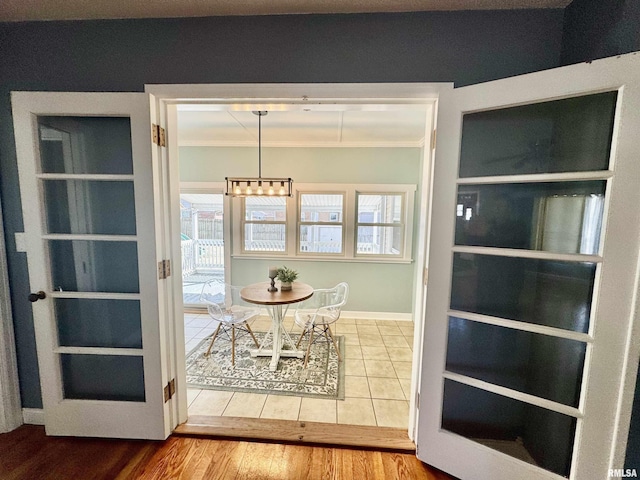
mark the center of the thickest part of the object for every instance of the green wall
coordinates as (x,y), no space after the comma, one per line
(374,287)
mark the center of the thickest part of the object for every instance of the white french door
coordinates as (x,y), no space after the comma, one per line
(90,198)
(533,271)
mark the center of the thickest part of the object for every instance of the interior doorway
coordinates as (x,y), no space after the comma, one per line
(391,339)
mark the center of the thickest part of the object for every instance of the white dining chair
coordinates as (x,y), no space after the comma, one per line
(233,314)
(316,315)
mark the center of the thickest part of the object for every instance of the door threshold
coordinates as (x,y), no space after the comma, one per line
(293,431)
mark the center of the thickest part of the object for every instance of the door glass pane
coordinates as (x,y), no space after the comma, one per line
(103,377)
(100,145)
(202,242)
(92,266)
(564,217)
(546,292)
(80,206)
(527,432)
(321,238)
(373,240)
(98,323)
(568,135)
(264,237)
(321,207)
(539,365)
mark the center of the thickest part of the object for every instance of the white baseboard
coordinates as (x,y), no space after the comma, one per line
(33,416)
(401,317)
(359,315)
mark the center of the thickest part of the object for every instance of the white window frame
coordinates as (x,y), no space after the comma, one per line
(300,222)
(239,240)
(403,223)
(349,224)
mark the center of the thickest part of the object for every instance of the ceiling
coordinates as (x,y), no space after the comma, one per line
(24,10)
(396,127)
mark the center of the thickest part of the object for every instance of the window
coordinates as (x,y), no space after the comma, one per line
(380,224)
(327,222)
(201,240)
(320,225)
(264,224)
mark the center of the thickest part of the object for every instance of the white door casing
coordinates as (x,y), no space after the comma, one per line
(612,352)
(151,417)
(289,97)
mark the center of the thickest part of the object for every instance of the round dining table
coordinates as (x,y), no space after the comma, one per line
(258,294)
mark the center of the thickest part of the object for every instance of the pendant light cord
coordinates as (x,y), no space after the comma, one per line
(259,146)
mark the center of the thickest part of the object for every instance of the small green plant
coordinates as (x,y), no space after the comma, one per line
(286,275)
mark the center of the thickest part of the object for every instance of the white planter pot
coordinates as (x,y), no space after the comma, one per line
(284,286)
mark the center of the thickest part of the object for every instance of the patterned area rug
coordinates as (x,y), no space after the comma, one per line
(323,377)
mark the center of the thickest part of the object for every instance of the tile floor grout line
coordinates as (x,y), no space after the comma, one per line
(356,335)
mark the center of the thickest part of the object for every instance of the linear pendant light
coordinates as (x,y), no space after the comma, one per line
(258,186)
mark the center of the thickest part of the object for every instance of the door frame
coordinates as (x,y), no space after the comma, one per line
(10,404)
(263,97)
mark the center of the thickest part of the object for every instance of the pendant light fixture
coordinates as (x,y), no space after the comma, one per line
(258,186)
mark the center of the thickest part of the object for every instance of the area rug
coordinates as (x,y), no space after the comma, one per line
(323,377)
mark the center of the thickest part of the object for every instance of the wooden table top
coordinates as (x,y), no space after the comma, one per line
(257,293)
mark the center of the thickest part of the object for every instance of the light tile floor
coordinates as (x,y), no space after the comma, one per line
(377,378)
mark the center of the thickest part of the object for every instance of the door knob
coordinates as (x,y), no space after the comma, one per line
(34,297)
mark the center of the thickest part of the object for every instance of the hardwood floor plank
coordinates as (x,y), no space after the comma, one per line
(204,452)
(297,459)
(278,467)
(324,462)
(170,460)
(27,454)
(226,464)
(139,461)
(257,460)
(344,462)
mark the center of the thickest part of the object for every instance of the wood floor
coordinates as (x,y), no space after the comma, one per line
(27,453)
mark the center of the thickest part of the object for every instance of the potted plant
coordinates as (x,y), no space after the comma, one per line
(286,276)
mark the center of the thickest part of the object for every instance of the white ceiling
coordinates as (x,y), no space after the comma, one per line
(23,10)
(395,127)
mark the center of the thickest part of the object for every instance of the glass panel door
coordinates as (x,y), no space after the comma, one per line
(526,271)
(78,200)
(88,206)
(520,287)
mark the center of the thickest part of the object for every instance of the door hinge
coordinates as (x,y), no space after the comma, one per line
(164,269)
(169,390)
(157,135)
(417,399)
(425,276)
(433,139)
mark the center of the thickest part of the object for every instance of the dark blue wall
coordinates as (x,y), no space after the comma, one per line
(123,55)
(597,29)
(600,28)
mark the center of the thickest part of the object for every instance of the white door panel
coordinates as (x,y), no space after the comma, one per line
(533,267)
(89,196)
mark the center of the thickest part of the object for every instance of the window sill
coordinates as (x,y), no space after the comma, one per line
(311,258)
